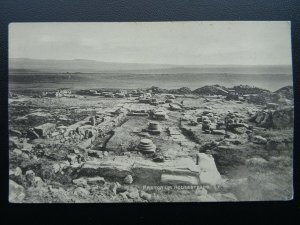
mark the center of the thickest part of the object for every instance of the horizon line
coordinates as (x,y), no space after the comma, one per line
(166,64)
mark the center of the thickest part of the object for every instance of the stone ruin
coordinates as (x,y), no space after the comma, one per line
(154,128)
(146,146)
(175,107)
(235,124)
(160,115)
(141,112)
(278,119)
(183,171)
(205,123)
(82,133)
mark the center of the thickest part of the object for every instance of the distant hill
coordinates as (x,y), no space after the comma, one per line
(75,66)
(25,65)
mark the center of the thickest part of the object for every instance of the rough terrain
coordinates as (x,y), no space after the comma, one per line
(211,144)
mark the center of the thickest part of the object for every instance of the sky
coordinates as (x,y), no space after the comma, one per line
(179,43)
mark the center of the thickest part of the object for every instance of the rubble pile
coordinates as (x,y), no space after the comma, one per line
(235,123)
(278,119)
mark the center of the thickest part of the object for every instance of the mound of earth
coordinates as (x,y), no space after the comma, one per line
(286,92)
(246,89)
(211,90)
(260,99)
(157,90)
(181,91)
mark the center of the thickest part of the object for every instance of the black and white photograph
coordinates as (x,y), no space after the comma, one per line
(147,112)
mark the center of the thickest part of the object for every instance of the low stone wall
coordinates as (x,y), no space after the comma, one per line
(82,133)
(144,172)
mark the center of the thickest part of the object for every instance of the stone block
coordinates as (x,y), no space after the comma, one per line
(170,179)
